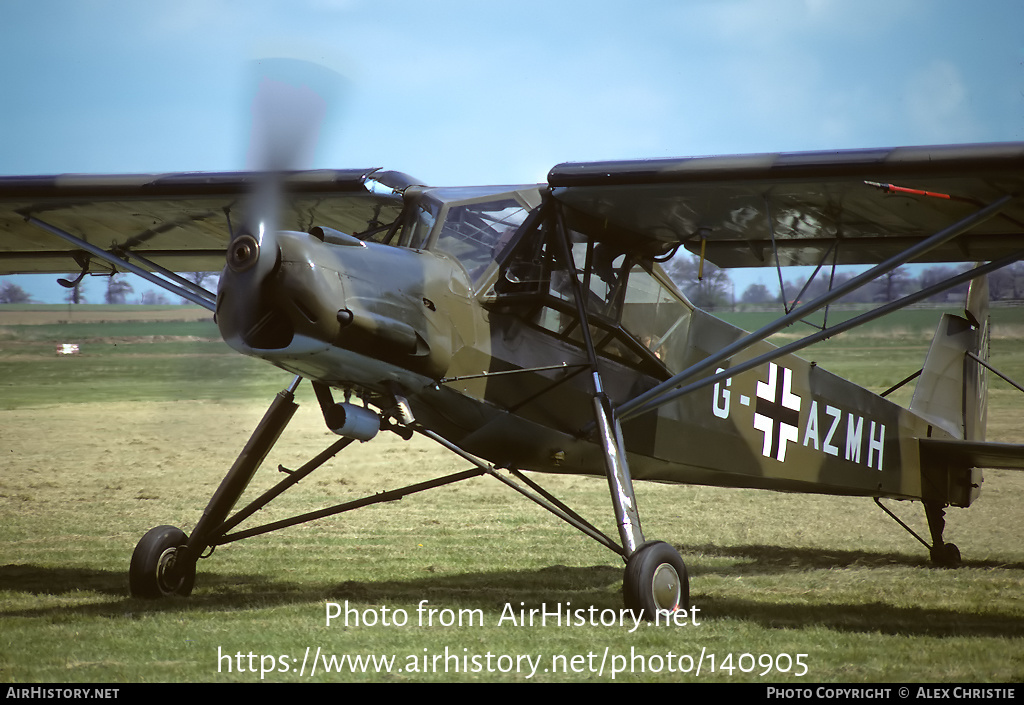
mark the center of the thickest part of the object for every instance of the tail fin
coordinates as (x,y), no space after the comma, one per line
(953,390)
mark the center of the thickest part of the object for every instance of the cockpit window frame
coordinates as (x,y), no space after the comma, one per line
(544,304)
(441,201)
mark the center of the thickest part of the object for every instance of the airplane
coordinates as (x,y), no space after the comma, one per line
(532,329)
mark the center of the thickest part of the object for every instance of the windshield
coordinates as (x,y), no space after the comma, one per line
(476,233)
(472,224)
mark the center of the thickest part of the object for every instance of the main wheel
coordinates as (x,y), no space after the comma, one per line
(154,570)
(946,557)
(655,580)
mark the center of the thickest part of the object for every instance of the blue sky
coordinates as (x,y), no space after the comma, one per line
(460,92)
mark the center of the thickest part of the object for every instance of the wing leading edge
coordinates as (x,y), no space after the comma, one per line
(808,207)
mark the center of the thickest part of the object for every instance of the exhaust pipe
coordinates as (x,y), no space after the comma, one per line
(353,421)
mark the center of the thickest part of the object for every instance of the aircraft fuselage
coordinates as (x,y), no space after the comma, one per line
(492,361)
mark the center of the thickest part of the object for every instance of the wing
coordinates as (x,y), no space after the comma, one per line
(179,221)
(858,206)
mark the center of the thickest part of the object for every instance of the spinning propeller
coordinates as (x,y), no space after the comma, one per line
(287,115)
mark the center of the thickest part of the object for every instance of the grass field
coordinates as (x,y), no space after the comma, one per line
(138,430)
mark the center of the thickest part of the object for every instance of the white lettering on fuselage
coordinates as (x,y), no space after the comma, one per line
(827,428)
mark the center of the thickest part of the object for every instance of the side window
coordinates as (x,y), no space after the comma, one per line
(655,316)
(604,272)
(629,306)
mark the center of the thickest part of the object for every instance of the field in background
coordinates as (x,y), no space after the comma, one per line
(139,428)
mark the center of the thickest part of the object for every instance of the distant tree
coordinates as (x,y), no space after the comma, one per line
(711,291)
(802,291)
(201,279)
(893,285)
(13,294)
(153,298)
(826,281)
(118,290)
(934,275)
(1007,283)
(757,294)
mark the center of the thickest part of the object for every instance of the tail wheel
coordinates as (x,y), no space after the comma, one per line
(946,557)
(656,580)
(157,569)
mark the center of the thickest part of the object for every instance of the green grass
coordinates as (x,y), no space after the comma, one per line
(99,448)
(126,359)
(136,376)
(111,331)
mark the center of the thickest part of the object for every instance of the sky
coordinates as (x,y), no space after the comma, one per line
(469,92)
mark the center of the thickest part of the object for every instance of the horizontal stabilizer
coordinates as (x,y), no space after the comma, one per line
(973,454)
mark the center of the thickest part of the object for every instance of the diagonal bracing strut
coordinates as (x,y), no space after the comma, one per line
(670,388)
(830,332)
(206,300)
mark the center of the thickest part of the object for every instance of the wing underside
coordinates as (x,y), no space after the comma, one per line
(849,207)
(181,221)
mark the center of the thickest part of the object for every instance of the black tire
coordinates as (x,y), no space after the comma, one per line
(154,556)
(656,579)
(946,557)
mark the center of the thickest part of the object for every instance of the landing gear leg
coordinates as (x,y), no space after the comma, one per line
(656,579)
(164,562)
(944,555)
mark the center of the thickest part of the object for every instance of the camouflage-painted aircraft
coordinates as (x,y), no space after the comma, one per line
(531,328)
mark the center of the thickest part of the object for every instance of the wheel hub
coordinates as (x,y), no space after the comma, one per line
(665,585)
(165,571)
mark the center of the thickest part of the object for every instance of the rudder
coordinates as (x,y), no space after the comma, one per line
(953,390)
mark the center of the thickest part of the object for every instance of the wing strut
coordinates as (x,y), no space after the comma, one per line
(181,281)
(828,333)
(203,300)
(833,249)
(664,393)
